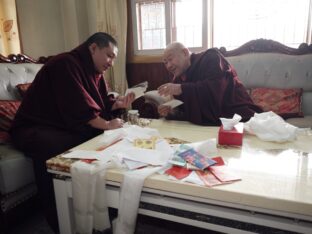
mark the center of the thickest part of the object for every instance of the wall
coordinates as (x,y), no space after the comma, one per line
(40,27)
(49,27)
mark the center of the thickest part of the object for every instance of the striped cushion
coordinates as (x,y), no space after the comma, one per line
(8,110)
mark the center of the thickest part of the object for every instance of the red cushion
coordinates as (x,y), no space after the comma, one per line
(8,109)
(284,102)
(22,88)
(4,137)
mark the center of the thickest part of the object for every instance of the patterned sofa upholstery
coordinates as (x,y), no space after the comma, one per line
(17,181)
(266,64)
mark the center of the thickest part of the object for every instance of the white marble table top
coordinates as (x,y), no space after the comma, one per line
(275,176)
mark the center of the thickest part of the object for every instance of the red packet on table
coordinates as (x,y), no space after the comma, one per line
(178,172)
(224,174)
(208,178)
(219,161)
(231,137)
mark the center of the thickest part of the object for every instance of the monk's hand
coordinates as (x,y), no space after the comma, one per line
(123,101)
(169,89)
(114,123)
(163,110)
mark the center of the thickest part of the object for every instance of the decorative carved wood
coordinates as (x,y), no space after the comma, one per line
(267,46)
(22,58)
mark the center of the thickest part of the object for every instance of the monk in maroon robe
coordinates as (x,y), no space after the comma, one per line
(66,105)
(207,85)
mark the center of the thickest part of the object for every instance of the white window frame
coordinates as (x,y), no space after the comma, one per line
(168,29)
(207,32)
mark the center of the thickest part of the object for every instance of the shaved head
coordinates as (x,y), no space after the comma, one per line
(175,47)
(177,58)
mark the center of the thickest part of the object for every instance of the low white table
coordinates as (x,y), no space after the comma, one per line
(275,192)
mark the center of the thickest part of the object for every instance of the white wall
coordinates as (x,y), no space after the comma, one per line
(49,27)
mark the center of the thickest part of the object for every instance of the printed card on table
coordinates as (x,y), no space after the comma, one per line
(145,143)
(196,159)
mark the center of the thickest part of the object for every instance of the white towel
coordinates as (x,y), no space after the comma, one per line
(89,197)
(129,199)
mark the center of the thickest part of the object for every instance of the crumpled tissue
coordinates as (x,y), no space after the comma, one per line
(229,124)
(269,126)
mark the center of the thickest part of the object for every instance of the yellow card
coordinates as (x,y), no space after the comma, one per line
(145,143)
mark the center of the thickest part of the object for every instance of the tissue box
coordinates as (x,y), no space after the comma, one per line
(231,137)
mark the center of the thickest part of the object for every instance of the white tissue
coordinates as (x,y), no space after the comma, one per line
(229,124)
(269,126)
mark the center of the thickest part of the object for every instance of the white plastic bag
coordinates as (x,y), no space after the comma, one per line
(269,126)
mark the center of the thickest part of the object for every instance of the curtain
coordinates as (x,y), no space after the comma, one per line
(111,17)
(9,37)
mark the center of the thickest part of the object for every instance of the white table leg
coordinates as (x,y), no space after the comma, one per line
(64,206)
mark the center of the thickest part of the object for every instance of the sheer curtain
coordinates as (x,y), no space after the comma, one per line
(111,17)
(85,17)
(9,37)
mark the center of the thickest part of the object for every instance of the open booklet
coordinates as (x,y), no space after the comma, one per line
(156,98)
(138,89)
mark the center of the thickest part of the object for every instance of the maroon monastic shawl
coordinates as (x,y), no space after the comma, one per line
(212,90)
(65,94)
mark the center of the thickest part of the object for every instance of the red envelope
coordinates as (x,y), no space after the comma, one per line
(219,161)
(208,178)
(224,174)
(178,172)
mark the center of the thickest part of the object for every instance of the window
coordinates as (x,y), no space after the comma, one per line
(201,24)
(236,23)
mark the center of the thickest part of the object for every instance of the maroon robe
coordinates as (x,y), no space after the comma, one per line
(211,89)
(66,93)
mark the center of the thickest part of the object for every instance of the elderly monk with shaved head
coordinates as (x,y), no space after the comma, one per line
(207,85)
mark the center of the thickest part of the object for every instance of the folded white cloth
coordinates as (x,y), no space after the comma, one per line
(89,197)
(129,199)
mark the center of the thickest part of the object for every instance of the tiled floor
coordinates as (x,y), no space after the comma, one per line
(35,223)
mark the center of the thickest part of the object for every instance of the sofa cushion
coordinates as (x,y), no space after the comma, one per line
(4,137)
(8,110)
(284,102)
(16,170)
(14,74)
(22,88)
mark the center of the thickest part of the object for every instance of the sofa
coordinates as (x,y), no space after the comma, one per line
(17,182)
(278,78)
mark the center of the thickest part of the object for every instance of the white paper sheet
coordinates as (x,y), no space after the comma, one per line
(131,165)
(149,156)
(173,103)
(193,178)
(82,154)
(206,148)
(138,90)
